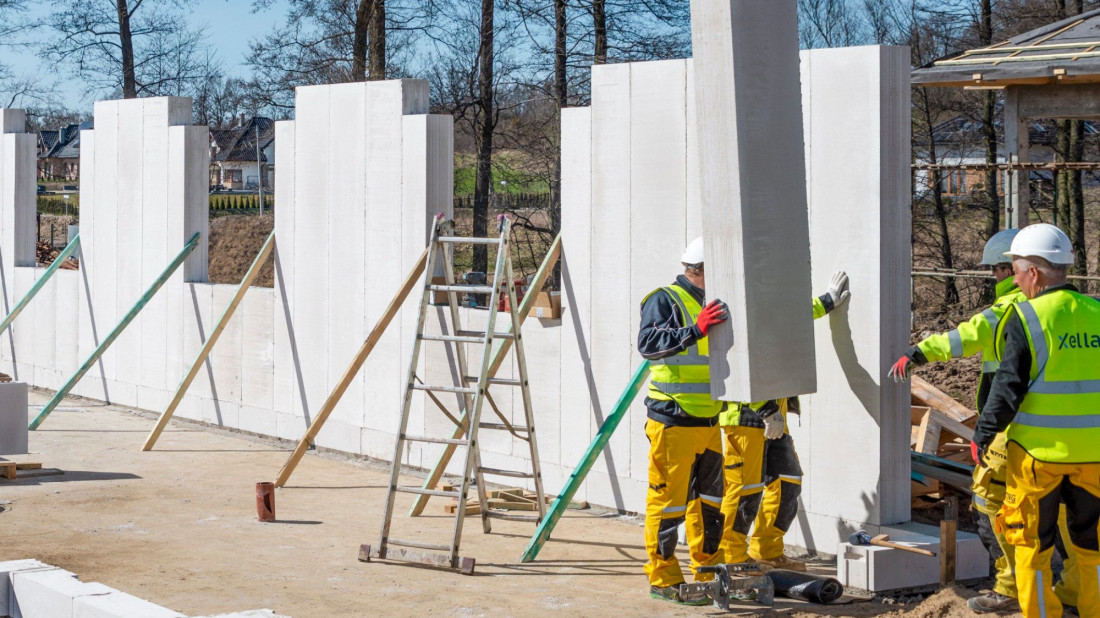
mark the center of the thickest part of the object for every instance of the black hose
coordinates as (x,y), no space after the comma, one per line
(806,586)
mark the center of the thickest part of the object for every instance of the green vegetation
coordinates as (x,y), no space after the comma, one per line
(225,202)
(505,169)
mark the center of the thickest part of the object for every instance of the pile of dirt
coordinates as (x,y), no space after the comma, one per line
(234,242)
(947,603)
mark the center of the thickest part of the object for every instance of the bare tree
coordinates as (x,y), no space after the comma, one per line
(830,23)
(333,41)
(18,89)
(129,47)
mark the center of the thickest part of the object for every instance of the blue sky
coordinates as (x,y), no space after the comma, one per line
(230,25)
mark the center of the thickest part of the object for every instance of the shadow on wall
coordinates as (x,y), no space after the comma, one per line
(589,377)
(284,302)
(862,383)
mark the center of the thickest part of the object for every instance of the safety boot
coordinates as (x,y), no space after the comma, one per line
(993,602)
(672,594)
(782,562)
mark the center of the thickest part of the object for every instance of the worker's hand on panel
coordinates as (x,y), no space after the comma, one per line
(838,289)
(774,426)
(715,312)
(900,371)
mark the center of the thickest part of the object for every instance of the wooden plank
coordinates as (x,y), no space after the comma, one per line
(947,541)
(928,435)
(27,465)
(7,469)
(950,424)
(204,353)
(929,395)
(352,371)
(916,414)
(504,346)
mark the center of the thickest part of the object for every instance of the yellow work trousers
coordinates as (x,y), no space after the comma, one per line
(763,482)
(685,484)
(990,483)
(1029,521)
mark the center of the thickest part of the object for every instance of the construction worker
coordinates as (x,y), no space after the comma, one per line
(763,475)
(988,485)
(1045,396)
(685,456)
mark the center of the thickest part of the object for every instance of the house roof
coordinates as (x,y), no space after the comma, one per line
(239,143)
(63,143)
(1065,52)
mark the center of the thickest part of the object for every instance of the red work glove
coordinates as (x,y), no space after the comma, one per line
(974,451)
(900,371)
(715,312)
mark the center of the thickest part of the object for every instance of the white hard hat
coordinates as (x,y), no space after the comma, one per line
(998,246)
(694,252)
(1042,240)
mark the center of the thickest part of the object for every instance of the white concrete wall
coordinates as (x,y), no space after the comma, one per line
(361,173)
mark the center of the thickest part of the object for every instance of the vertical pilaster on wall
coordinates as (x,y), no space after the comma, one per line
(17,215)
(287,369)
(857,110)
(577,380)
(754,201)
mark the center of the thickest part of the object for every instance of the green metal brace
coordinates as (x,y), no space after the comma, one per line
(121,326)
(23,302)
(561,503)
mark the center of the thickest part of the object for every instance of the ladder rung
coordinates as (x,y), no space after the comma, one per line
(469,289)
(454,338)
(460,442)
(498,381)
(417,545)
(470,241)
(511,517)
(409,489)
(503,427)
(444,389)
(481,335)
(511,473)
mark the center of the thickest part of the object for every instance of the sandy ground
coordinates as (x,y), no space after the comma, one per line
(177,526)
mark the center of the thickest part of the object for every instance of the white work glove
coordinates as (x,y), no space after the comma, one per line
(838,289)
(774,426)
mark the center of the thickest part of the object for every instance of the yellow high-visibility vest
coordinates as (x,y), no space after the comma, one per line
(1059,418)
(684,377)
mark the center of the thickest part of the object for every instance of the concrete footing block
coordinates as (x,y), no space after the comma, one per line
(119,605)
(883,568)
(7,570)
(13,418)
(49,593)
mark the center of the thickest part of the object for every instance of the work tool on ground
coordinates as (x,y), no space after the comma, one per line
(474,392)
(207,347)
(728,579)
(883,540)
(40,283)
(117,330)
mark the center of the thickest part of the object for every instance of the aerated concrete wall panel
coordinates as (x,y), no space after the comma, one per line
(754,199)
(361,173)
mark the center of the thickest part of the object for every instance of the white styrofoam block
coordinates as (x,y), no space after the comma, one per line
(49,593)
(286,367)
(198,323)
(156,249)
(754,197)
(13,418)
(102,244)
(24,212)
(224,414)
(6,570)
(67,288)
(613,356)
(117,604)
(43,321)
(225,358)
(882,568)
(189,198)
(129,240)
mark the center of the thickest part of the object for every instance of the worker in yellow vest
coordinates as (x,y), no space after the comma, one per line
(988,486)
(1046,397)
(685,456)
(763,474)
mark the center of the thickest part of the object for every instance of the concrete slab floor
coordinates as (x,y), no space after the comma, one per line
(177,527)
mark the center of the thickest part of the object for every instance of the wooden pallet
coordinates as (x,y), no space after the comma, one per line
(942,427)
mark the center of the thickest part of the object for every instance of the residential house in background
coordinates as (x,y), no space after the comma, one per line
(959,141)
(236,164)
(59,152)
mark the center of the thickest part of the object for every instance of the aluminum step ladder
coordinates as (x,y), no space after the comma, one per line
(474,391)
